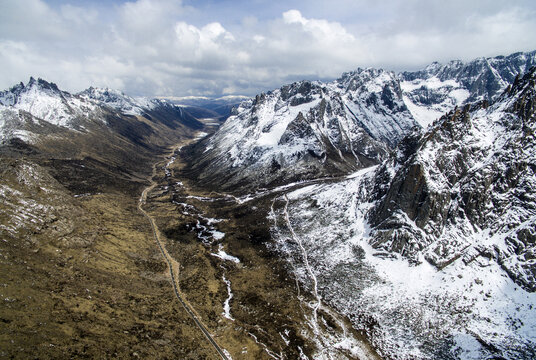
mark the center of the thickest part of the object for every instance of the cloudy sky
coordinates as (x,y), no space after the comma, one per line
(220,47)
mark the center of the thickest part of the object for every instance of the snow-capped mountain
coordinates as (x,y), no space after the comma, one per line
(155,109)
(119,101)
(308,129)
(40,107)
(43,102)
(314,129)
(433,251)
(437,89)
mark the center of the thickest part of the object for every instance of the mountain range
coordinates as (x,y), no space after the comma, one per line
(404,202)
(311,129)
(408,201)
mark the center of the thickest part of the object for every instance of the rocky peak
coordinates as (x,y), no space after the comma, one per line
(367,80)
(374,97)
(301,92)
(43,86)
(105,95)
(32,89)
(119,101)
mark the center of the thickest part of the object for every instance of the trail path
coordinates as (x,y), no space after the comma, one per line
(173,265)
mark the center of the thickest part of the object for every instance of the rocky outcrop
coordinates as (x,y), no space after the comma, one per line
(472,175)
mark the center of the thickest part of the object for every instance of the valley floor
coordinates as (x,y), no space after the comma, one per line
(81,275)
(87,280)
(241,290)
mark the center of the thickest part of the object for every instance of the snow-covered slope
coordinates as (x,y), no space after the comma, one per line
(120,101)
(433,252)
(40,102)
(308,129)
(39,107)
(437,89)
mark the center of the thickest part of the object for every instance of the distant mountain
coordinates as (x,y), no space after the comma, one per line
(207,102)
(41,108)
(206,107)
(119,101)
(160,110)
(98,141)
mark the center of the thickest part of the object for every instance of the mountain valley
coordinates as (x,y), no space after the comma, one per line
(379,215)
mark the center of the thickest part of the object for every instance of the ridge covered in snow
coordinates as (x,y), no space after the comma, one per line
(119,101)
(437,89)
(433,251)
(313,129)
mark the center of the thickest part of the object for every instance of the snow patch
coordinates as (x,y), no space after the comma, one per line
(226,305)
(224,256)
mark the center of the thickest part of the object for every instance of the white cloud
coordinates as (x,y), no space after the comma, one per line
(79,15)
(293,16)
(162,47)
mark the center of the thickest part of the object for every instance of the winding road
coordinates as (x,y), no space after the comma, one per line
(173,266)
